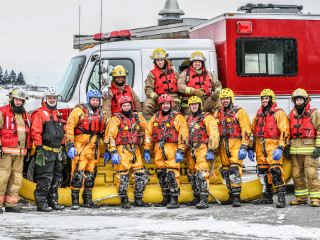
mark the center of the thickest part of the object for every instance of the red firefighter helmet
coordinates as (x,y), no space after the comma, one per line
(125,99)
(165,98)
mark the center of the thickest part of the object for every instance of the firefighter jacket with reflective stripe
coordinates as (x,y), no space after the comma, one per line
(113,128)
(199,80)
(173,122)
(266,125)
(165,81)
(197,129)
(15,131)
(228,123)
(129,129)
(301,126)
(47,127)
(117,94)
(305,146)
(93,123)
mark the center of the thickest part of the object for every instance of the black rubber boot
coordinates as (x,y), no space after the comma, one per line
(236,200)
(125,203)
(165,200)
(75,199)
(195,200)
(267,197)
(1,211)
(53,202)
(203,200)
(87,199)
(44,208)
(229,201)
(174,199)
(15,209)
(281,198)
(138,202)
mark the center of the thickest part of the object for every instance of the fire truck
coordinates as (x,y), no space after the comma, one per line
(268,46)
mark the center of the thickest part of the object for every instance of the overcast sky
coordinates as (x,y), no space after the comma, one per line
(36,36)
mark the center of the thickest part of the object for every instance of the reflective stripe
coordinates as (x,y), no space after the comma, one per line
(301,192)
(14,150)
(7,122)
(1,199)
(153,94)
(188,90)
(318,141)
(301,150)
(314,194)
(45,112)
(11,199)
(21,129)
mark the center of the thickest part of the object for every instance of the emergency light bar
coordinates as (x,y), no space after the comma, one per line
(113,36)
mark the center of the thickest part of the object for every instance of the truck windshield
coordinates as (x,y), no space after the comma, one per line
(71,77)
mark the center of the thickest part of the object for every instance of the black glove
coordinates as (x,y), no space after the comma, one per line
(286,152)
(316,152)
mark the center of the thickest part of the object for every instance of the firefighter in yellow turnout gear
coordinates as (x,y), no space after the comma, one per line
(235,131)
(270,127)
(304,149)
(123,137)
(84,130)
(202,143)
(169,131)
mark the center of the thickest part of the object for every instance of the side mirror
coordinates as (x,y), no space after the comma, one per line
(105,72)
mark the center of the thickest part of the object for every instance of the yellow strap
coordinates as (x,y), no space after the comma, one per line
(51,149)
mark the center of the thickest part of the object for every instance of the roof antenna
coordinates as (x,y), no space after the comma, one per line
(100,60)
(79,27)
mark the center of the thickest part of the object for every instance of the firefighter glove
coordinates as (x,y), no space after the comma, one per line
(242,154)
(277,154)
(199,93)
(209,156)
(215,95)
(106,157)
(286,152)
(179,155)
(147,155)
(115,158)
(72,152)
(41,158)
(251,155)
(316,152)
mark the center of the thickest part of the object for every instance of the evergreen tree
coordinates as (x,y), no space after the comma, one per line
(20,79)
(5,78)
(13,77)
(1,76)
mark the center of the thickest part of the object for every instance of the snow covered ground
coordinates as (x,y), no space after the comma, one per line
(218,222)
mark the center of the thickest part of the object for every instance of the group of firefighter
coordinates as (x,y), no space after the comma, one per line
(185,115)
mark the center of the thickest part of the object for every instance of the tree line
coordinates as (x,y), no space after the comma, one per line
(12,78)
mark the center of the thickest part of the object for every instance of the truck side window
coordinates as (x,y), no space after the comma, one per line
(266,57)
(94,79)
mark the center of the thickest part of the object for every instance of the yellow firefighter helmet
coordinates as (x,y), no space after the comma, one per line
(159,53)
(267,93)
(119,71)
(227,92)
(195,99)
(299,92)
(197,56)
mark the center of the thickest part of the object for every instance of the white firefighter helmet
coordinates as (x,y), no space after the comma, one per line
(18,93)
(50,91)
